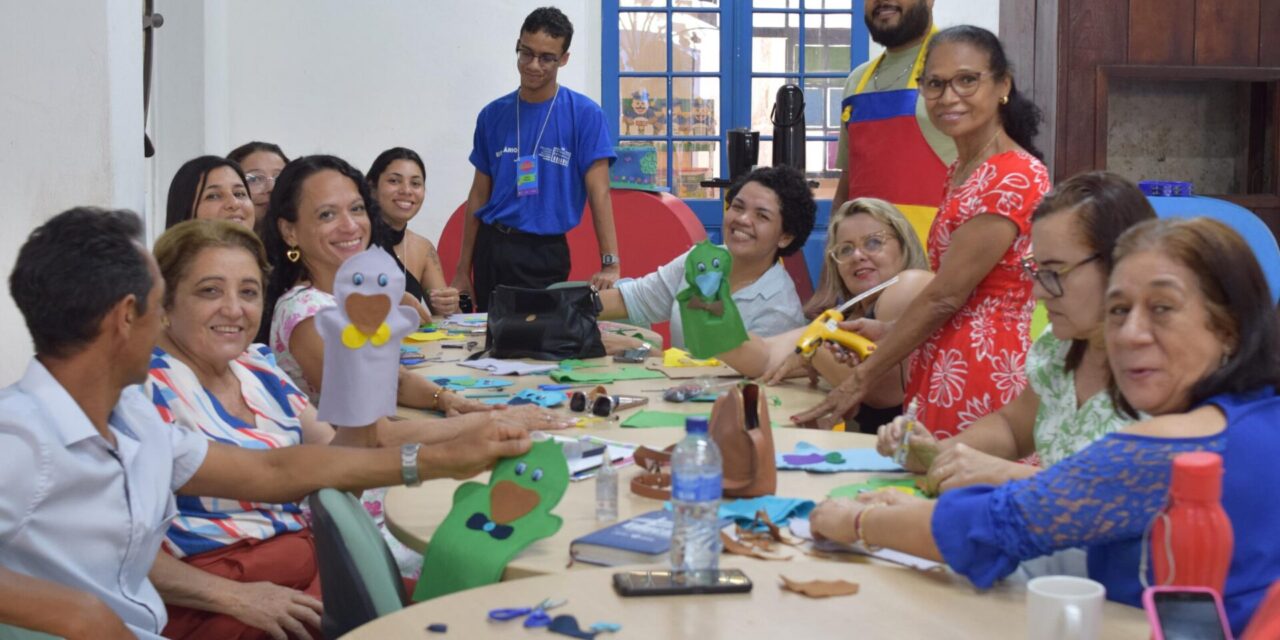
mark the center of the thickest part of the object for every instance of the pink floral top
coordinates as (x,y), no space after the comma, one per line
(975,363)
(297,304)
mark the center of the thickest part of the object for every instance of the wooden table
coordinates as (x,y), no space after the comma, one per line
(413,513)
(892,603)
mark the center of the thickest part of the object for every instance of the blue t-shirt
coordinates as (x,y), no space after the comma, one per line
(1105,496)
(575,137)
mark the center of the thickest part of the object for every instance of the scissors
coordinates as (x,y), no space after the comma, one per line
(537,614)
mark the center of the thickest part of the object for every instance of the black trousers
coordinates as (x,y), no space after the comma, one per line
(504,255)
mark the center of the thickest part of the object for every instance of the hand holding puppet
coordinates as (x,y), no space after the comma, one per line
(711,322)
(490,524)
(362,337)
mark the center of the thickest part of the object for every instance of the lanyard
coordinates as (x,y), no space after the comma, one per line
(544,122)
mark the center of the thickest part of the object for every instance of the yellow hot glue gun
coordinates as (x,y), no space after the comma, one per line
(825,328)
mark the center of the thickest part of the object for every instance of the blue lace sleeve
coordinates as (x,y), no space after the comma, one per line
(1109,491)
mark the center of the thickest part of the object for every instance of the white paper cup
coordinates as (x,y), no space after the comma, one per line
(1064,608)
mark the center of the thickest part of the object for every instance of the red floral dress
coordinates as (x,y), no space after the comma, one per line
(975,362)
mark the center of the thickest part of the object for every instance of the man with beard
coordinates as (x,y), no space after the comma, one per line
(888,147)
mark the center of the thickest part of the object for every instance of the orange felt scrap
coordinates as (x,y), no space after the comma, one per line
(820,588)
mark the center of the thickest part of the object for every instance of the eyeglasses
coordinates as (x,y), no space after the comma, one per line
(525,56)
(964,84)
(260,182)
(870,245)
(1049,279)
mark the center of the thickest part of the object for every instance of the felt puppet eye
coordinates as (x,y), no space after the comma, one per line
(383,280)
(715,262)
(520,467)
(358,279)
(702,267)
(537,475)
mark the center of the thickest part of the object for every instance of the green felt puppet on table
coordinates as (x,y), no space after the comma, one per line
(490,524)
(709,317)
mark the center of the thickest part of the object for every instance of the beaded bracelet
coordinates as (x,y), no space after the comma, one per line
(857,524)
(435,399)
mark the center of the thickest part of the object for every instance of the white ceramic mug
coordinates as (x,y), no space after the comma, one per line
(1064,608)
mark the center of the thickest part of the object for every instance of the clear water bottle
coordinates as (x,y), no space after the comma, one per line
(696,477)
(606,490)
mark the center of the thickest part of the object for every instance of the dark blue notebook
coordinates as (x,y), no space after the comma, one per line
(644,539)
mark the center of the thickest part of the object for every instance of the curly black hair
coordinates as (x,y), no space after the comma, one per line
(551,21)
(284,205)
(1020,116)
(798,208)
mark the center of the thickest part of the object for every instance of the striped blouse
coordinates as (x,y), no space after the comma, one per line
(206,524)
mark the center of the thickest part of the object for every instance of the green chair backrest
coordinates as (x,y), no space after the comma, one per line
(360,578)
(18,633)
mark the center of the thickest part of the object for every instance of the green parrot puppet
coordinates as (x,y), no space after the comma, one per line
(710,319)
(490,524)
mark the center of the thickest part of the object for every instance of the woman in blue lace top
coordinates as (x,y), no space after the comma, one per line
(1193,340)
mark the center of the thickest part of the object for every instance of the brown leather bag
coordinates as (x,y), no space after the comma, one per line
(741,429)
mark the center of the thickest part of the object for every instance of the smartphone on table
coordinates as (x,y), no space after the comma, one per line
(1186,613)
(673,583)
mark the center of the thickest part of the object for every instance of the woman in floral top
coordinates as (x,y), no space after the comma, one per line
(964,339)
(1066,407)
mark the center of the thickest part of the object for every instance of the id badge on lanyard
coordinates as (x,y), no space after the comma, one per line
(527,176)
(527,166)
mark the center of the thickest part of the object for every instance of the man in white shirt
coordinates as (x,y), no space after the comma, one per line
(89,469)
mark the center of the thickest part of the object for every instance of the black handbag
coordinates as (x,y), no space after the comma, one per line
(544,324)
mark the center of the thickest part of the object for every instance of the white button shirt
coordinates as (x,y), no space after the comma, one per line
(75,510)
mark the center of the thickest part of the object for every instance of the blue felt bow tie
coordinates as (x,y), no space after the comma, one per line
(481,522)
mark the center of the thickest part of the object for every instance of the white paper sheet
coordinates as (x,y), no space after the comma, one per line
(801,529)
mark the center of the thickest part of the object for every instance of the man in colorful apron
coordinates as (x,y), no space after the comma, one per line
(888,147)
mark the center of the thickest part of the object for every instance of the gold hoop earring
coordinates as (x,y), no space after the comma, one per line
(293,254)
(1004,100)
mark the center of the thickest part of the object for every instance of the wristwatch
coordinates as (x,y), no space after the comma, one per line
(608,259)
(409,464)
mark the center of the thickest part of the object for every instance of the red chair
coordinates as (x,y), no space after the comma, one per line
(652,229)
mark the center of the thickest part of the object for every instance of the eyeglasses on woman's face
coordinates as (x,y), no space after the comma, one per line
(870,245)
(1051,279)
(525,56)
(964,84)
(259,182)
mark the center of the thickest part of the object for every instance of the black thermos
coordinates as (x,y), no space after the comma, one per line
(744,151)
(788,127)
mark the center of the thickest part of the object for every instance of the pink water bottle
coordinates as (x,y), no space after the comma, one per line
(1196,533)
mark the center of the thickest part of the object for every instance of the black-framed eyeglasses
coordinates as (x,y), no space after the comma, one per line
(259,182)
(870,245)
(1051,279)
(964,84)
(525,56)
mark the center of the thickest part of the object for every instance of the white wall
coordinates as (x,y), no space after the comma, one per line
(70,126)
(347,78)
(949,13)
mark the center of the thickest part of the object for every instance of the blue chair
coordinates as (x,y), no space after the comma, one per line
(360,578)
(1254,230)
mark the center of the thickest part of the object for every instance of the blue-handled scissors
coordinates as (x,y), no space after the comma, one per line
(537,614)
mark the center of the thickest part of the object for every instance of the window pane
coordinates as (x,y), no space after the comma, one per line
(826,42)
(774,38)
(820,165)
(697,42)
(695,162)
(642,3)
(828,4)
(696,108)
(641,168)
(642,41)
(777,4)
(822,97)
(763,93)
(697,4)
(643,102)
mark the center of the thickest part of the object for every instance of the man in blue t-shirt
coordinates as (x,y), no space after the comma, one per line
(540,153)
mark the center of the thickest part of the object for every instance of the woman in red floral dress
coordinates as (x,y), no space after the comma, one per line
(967,334)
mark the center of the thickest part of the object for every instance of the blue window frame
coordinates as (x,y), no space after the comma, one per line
(677,74)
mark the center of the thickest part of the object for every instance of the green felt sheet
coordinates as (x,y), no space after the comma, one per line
(605,377)
(651,419)
(462,556)
(875,484)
